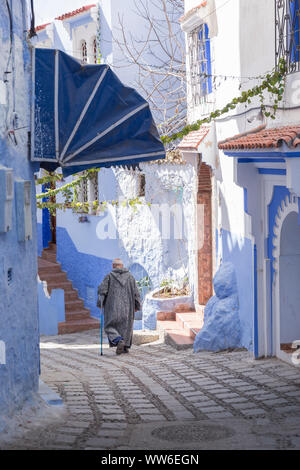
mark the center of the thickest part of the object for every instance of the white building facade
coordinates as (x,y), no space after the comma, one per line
(254,175)
(156,238)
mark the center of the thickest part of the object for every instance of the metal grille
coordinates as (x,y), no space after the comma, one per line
(287,40)
(83,52)
(141,185)
(94,187)
(199,64)
(82,189)
(95,50)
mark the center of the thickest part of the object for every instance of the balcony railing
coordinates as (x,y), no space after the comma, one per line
(287,39)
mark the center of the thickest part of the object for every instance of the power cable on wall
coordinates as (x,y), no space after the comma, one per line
(32,32)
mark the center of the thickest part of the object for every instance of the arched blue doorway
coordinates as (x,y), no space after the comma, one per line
(289,279)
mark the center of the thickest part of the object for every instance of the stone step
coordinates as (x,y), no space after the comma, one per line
(66,285)
(57,277)
(175,335)
(71,294)
(45,266)
(78,325)
(79,314)
(172,315)
(51,247)
(180,328)
(164,316)
(49,256)
(77,317)
(190,322)
(73,305)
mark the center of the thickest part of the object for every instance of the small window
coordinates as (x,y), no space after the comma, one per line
(82,190)
(83,48)
(88,190)
(93,188)
(287,30)
(141,188)
(95,51)
(200,64)
(9,276)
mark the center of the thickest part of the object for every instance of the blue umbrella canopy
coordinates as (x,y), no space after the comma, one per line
(84,117)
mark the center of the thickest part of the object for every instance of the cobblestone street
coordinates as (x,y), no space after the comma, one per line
(158,398)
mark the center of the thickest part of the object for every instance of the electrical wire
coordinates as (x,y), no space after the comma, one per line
(11,38)
(32,32)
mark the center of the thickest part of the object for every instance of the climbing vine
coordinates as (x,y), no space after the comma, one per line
(70,193)
(273,83)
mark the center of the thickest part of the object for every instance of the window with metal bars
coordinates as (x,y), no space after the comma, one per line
(95,51)
(141,185)
(88,190)
(83,47)
(287,40)
(200,64)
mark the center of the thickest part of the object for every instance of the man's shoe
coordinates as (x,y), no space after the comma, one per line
(120,347)
(126,350)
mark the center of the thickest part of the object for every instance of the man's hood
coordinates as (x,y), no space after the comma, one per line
(121,275)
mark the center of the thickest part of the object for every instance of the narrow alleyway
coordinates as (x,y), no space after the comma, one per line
(159,398)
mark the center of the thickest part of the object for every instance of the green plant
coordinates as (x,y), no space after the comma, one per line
(272,83)
(144,282)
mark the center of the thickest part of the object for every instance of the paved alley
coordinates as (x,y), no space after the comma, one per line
(158,398)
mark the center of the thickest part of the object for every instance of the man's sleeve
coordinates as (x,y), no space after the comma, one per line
(103,291)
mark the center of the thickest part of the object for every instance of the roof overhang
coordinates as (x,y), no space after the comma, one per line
(279,156)
(205,12)
(84,117)
(201,142)
(78,18)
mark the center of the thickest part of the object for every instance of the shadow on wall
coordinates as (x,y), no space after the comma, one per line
(238,250)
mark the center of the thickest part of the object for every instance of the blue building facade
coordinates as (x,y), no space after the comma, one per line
(19,332)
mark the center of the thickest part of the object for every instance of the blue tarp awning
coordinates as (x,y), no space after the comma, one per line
(84,117)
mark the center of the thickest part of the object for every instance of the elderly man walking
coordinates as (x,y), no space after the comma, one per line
(121,299)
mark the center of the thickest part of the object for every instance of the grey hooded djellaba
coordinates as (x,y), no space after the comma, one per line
(121,299)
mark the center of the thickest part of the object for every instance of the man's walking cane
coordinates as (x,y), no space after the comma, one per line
(101,324)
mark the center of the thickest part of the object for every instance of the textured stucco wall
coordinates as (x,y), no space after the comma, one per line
(18,298)
(132,234)
(239,252)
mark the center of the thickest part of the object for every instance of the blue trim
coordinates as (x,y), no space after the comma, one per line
(261,160)
(255,306)
(245,200)
(279,194)
(250,153)
(271,171)
(208,57)
(295,40)
(46,225)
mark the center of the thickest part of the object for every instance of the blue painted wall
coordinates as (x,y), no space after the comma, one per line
(18,262)
(86,279)
(51,309)
(240,254)
(39,238)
